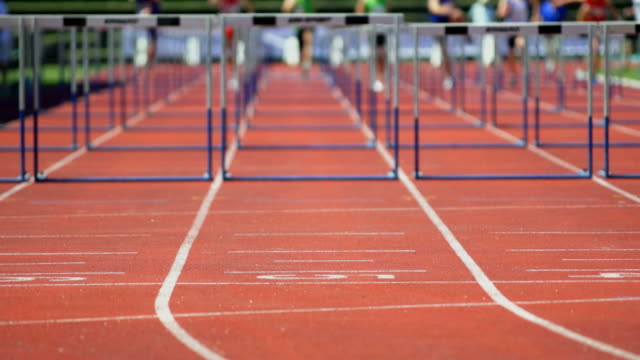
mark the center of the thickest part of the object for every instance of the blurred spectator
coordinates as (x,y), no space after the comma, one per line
(149,7)
(5,47)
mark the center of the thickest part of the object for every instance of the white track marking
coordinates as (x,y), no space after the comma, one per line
(284,283)
(565,232)
(47,263)
(600,259)
(296,211)
(325,282)
(494,199)
(233,212)
(120,214)
(322,271)
(534,207)
(72,236)
(554,250)
(483,280)
(67,253)
(346,233)
(98,141)
(315,251)
(67,273)
(578,270)
(7,194)
(313,310)
(278,200)
(320,261)
(161,305)
(94,202)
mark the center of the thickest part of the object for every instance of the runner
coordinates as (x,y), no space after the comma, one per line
(376,6)
(596,10)
(232,7)
(150,7)
(444,11)
(305,36)
(516,11)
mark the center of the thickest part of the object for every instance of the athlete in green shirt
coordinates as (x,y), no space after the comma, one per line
(376,6)
(305,36)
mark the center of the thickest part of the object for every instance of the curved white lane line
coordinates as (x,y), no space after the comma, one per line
(162,306)
(481,278)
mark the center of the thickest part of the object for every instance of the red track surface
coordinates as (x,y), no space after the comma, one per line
(319,269)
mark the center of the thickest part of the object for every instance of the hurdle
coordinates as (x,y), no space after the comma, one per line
(308,21)
(18,24)
(152,102)
(526,30)
(608,30)
(350,86)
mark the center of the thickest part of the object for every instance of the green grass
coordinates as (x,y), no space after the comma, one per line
(628,73)
(50,75)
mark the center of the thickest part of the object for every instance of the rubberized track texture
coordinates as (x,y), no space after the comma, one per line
(288,270)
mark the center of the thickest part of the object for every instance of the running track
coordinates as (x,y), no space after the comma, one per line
(380,269)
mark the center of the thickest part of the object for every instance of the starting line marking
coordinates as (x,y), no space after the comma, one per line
(72,236)
(346,233)
(315,251)
(319,261)
(564,232)
(323,271)
(69,253)
(533,207)
(571,270)
(47,263)
(600,259)
(552,250)
(271,283)
(312,310)
(65,273)
(610,275)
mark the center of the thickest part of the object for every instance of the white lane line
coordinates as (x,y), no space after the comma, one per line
(345,233)
(72,236)
(311,211)
(66,273)
(577,270)
(534,207)
(67,253)
(46,263)
(161,304)
(565,232)
(233,212)
(313,310)
(119,214)
(561,250)
(315,251)
(600,259)
(322,271)
(322,261)
(491,199)
(483,280)
(324,282)
(91,202)
(347,200)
